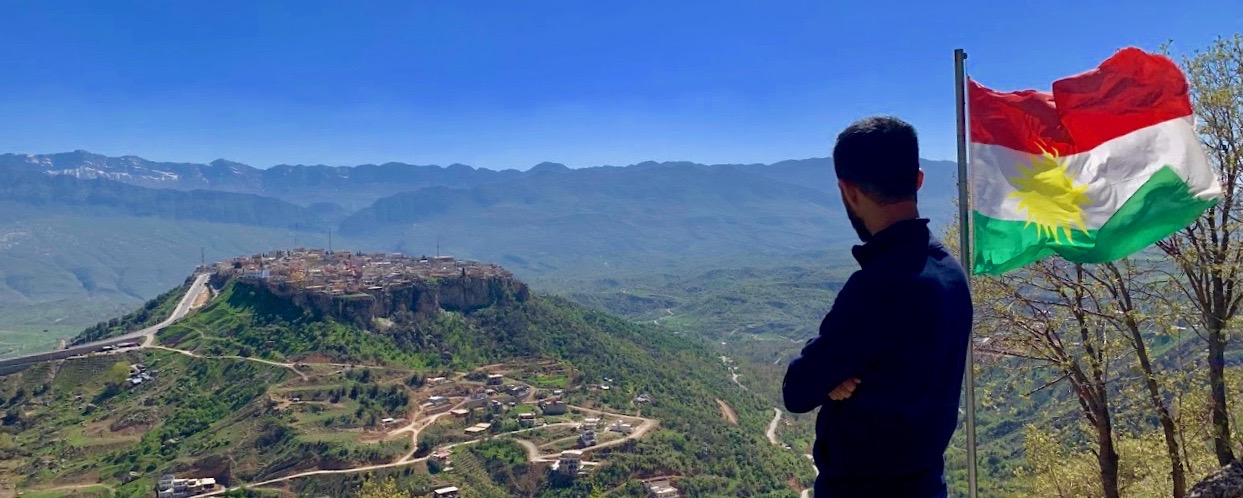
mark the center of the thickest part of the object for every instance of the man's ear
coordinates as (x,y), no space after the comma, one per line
(919,179)
(848,192)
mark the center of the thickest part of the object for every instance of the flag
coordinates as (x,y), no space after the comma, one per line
(1106,165)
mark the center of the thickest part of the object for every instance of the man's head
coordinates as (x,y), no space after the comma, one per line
(877,164)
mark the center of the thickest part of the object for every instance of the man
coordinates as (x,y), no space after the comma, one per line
(887,367)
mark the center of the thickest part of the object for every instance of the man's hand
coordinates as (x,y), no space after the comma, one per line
(844,390)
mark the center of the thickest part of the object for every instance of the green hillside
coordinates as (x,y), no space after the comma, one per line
(224,415)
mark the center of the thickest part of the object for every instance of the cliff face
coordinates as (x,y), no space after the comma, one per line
(417,300)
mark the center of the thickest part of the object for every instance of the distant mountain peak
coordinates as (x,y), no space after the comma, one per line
(549,167)
(226,162)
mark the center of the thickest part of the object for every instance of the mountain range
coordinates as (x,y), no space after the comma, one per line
(86,236)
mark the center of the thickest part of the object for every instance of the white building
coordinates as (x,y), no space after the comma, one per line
(570,463)
(662,489)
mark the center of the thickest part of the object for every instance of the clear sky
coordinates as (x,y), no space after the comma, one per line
(511,84)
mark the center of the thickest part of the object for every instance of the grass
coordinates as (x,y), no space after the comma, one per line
(87,491)
(551,381)
(17,340)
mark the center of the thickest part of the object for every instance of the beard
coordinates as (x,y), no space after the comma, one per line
(855,221)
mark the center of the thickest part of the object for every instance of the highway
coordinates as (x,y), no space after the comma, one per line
(147,335)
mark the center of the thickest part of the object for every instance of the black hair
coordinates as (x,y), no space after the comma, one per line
(880,155)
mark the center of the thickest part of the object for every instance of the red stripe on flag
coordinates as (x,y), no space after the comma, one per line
(1129,91)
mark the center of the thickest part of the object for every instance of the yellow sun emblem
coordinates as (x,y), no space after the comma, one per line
(1050,197)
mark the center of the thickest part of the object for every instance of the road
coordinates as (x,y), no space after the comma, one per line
(772,427)
(533,453)
(192,354)
(147,335)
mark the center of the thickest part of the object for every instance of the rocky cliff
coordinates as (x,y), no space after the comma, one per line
(409,301)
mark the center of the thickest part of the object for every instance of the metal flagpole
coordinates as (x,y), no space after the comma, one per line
(964,248)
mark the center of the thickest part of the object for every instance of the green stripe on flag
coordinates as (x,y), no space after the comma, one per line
(1162,206)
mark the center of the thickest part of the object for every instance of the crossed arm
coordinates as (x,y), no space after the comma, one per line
(828,366)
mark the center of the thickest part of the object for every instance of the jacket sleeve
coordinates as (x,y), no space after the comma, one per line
(845,345)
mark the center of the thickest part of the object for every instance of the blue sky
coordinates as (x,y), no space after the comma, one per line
(510,84)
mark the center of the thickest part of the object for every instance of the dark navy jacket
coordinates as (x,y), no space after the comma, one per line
(901,325)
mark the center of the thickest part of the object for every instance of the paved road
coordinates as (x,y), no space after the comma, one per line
(147,335)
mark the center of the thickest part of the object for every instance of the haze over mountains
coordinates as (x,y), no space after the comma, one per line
(86,236)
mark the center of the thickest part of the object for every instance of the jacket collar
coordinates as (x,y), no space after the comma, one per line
(898,234)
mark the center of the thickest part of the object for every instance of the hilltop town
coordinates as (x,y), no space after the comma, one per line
(345,273)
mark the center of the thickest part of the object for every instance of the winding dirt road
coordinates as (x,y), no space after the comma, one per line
(418,425)
(772,427)
(192,354)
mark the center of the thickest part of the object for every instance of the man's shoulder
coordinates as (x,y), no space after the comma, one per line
(915,270)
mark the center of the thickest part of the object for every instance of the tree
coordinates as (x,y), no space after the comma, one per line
(1209,253)
(118,373)
(1126,285)
(1049,316)
(381,488)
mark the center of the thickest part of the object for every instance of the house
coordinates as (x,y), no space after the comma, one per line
(527,419)
(437,400)
(570,463)
(495,379)
(662,489)
(436,381)
(449,492)
(590,423)
(169,486)
(587,438)
(459,412)
(555,408)
(618,426)
(478,428)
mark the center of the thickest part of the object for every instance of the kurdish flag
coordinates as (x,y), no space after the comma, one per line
(1104,166)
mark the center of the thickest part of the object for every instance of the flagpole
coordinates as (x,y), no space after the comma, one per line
(964,249)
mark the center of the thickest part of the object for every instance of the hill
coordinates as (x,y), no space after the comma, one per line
(261,384)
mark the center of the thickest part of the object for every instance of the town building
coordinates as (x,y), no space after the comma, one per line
(449,492)
(557,407)
(527,419)
(621,427)
(662,489)
(169,486)
(587,438)
(345,273)
(495,379)
(570,463)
